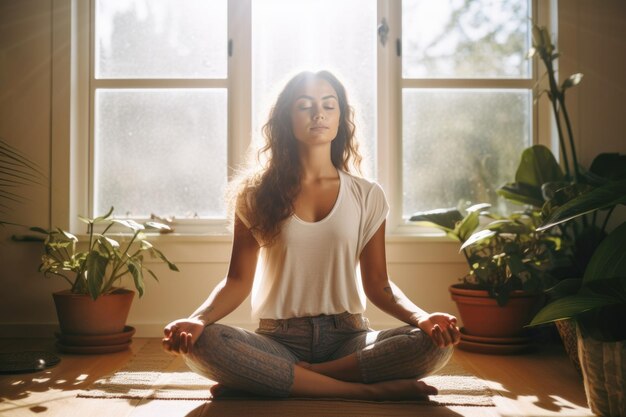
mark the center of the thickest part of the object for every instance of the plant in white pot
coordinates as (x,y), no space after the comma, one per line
(95,304)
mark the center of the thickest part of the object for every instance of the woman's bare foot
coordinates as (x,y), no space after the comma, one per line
(402,389)
(220,391)
(217,390)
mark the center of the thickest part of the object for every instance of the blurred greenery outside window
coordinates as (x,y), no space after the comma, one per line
(466,100)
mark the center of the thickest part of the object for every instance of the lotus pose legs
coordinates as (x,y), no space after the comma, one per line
(313,222)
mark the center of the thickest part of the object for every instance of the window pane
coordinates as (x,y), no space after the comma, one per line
(340,36)
(160,39)
(160,151)
(461,145)
(465,39)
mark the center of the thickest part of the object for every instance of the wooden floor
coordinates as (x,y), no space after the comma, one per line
(539,383)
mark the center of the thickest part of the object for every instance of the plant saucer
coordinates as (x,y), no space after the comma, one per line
(494,348)
(92,349)
(511,340)
(96,339)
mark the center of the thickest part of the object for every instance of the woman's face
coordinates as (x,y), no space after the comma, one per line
(315,113)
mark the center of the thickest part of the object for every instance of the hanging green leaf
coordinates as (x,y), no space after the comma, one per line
(444,219)
(95,269)
(477,238)
(609,259)
(131,224)
(135,271)
(158,253)
(537,166)
(571,306)
(606,196)
(158,226)
(609,166)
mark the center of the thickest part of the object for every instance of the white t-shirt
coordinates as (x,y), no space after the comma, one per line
(311,268)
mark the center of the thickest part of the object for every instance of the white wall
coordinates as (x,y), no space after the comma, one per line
(592,36)
(592,40)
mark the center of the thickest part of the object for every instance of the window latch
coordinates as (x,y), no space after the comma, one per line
(383,31)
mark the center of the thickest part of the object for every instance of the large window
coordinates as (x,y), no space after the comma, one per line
(159,94)
(466,99)
(179,90)
(290,36)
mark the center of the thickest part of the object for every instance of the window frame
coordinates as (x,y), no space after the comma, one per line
(72,111)
(390,89)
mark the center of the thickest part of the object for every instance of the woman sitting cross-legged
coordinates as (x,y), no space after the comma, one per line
(309,221)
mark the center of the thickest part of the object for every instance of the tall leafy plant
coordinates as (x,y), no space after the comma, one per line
(541,182)
(578,202)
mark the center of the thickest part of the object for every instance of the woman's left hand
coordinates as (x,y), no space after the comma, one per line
(441,327)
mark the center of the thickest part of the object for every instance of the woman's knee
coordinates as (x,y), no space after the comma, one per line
(429,356)
(435,358)
(209,346)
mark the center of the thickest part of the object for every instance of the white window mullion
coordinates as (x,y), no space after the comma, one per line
(544,126)
(389,112)
(239,83)
(462,132)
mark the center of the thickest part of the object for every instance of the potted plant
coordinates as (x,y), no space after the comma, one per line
(95,304)
(541,182)
(597,303)
(578,204)
(508,261)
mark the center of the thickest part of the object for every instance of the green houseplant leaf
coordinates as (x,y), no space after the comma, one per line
(604,282)
(98,269)
(444,219)
(610,166)
(609,259)
(606,196)
(135,271)
(537,167)
(95,269)
(571,306)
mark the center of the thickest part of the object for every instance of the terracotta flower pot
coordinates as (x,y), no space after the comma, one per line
(482,316)
(80,314)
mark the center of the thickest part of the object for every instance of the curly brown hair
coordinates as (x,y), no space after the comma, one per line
(266,196)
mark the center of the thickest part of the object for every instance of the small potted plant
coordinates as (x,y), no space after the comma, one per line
(95,304)
(508,262)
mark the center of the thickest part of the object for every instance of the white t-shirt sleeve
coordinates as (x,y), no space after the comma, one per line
(375,210)
(242,210)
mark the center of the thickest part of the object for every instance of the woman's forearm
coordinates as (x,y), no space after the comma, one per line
(390,299)
(225,297)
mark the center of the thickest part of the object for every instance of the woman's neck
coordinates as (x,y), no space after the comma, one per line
(316,163)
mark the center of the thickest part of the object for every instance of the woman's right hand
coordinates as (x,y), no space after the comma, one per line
(180,335)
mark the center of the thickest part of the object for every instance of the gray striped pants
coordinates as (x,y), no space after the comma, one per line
(263,362)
